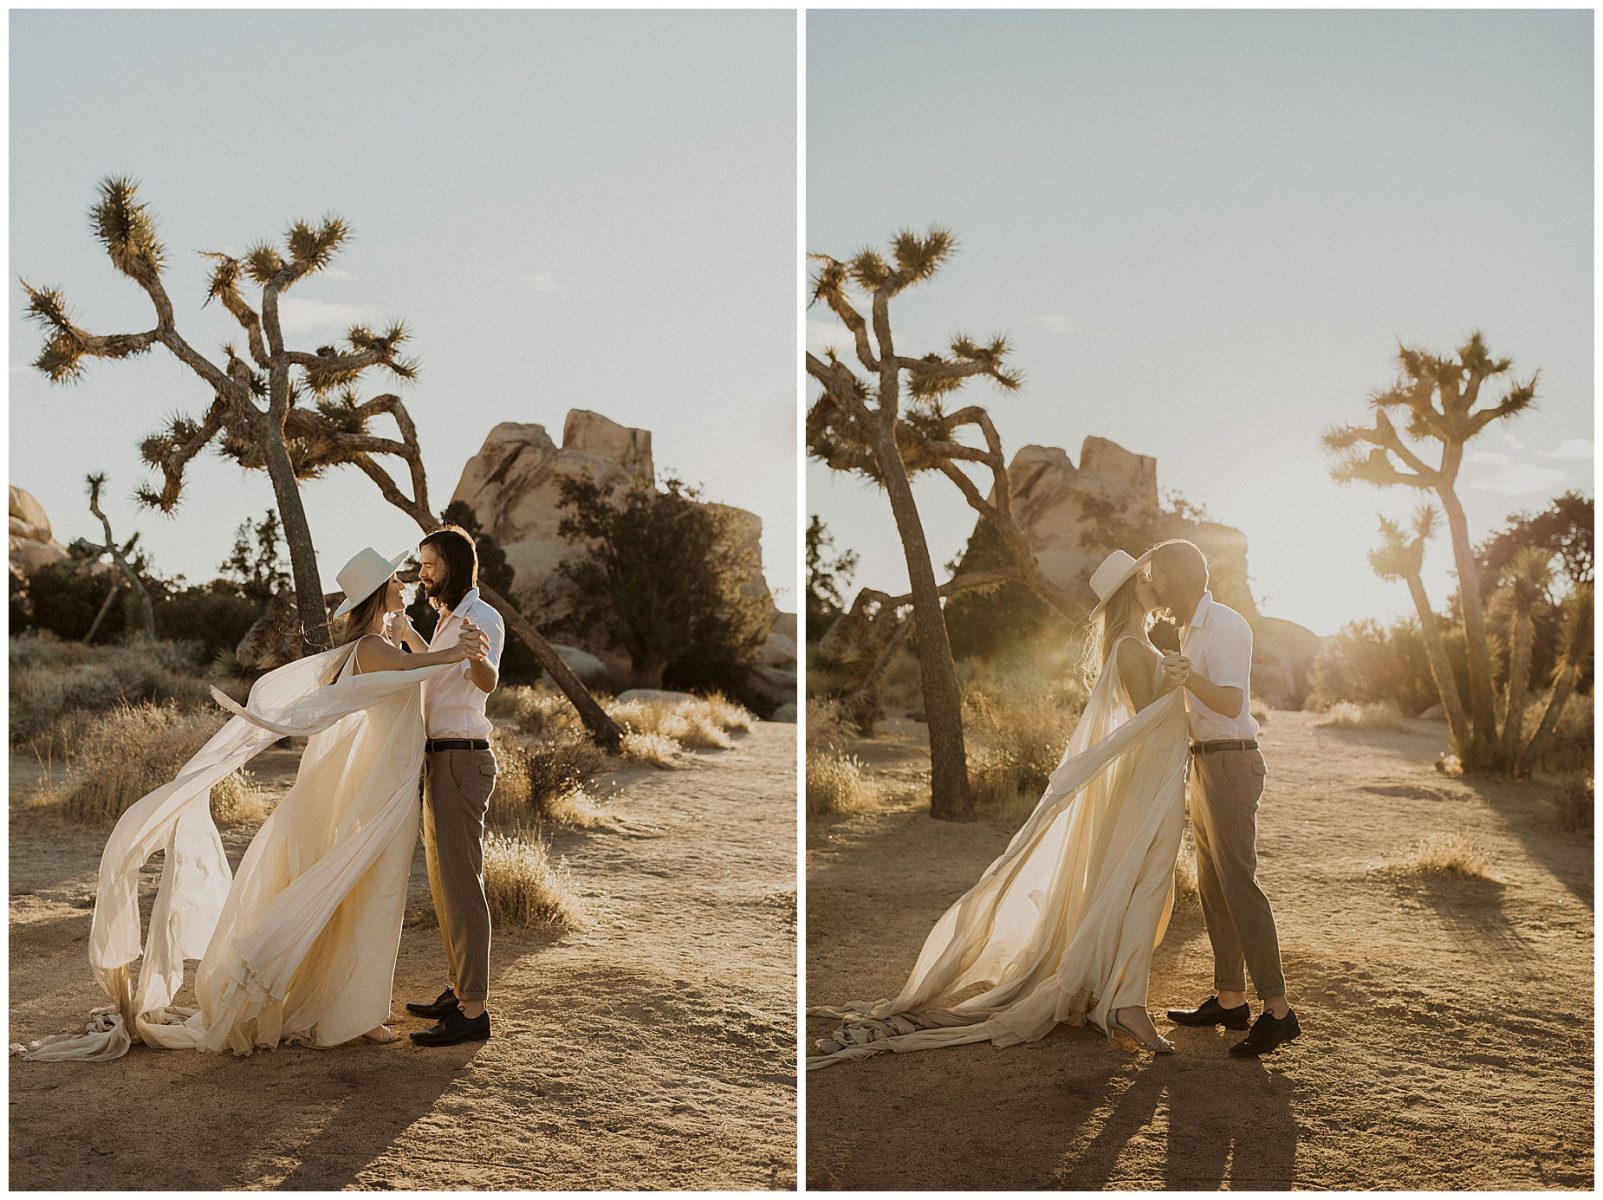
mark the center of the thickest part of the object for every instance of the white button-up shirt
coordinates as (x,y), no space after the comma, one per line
(1219,644)
(453,705)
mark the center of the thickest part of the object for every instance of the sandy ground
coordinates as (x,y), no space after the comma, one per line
(1448,1027)
(653,1049)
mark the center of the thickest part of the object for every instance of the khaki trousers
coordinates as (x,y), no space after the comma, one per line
(459,783)
(1224,826)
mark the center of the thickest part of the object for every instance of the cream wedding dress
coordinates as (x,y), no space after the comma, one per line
(1062,926)
(300,946)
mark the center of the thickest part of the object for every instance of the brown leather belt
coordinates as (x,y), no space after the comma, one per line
(1212,747)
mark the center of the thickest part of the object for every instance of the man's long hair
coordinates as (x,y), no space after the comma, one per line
(460,558)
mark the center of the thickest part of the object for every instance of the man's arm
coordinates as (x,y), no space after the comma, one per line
(1230,660)
(486,672)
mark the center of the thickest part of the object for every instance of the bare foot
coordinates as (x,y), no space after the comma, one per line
(381,1036)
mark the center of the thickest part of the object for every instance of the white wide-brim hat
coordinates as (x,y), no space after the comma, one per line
(364,575)
(1113,574)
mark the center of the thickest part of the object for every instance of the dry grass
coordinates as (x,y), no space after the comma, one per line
(653,749)
(524,887)
(826,728)
(1437,855)
(655,730)
(1017,718)
(1260,712)
(133,749)
(538,710)
(1346,715)
(543,780)
(55,686)
(1574,802)
(835,784)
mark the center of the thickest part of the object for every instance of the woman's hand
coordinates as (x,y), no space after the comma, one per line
(474,644)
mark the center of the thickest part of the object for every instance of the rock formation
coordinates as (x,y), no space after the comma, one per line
(32,544)
(1073,516)
(513,486)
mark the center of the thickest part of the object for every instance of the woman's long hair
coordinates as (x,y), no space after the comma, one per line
(355,623)
(1122,614)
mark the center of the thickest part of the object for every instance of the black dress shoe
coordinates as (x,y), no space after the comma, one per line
(441,1006)
(454,1028)
(1208,1012)
(1268,1031)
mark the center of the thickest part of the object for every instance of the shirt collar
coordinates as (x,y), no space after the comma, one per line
(1200,617)
(469,599)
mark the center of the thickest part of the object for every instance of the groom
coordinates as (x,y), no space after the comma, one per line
(460,773)
(1214,666)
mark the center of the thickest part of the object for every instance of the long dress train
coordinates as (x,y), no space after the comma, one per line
(1062,926)
(300,946)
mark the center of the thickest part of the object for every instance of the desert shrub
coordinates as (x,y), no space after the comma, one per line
(691,723)
(1456,855)
(1368,663)
(835,784)
(1018,717)
(1570,750)
(214,616)
(826,729)
(132,749)
(1260,711)
(543,779)
(654,749)
(1347,715)
(537,710)
(1574,802)
(523,886)
(50,678)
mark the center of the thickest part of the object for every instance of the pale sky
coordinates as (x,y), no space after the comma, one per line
(1205,232)
(570,210)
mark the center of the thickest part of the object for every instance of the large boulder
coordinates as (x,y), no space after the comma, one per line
(513,487)
(32,543)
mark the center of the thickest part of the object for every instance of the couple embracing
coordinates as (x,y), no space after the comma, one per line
(1061,928)
(300,946)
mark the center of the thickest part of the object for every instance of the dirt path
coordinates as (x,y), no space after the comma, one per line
(1447,1027)
(654,1049)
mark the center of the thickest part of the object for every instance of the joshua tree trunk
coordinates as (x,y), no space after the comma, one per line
(1441,668)
(1484,752)
(105,607)
(1563,689)
(147,612)
(311,611)
(1519,675)
(950,799)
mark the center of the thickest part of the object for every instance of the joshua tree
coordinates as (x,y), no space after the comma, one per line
(119,555)
(1439,398)
(253,406)
(856,425)
(1575,657)
(1401,555)
(1524,588)
(289,438)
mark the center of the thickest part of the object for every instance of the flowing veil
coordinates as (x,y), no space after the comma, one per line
(1060,927)
(195,883)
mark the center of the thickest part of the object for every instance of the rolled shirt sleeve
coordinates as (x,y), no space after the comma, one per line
(495,634)
(1230,654)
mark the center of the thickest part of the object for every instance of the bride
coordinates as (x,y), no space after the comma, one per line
(1061,927)
(301,945)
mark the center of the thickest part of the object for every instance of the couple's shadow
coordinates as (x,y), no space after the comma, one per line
(1229,1122)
